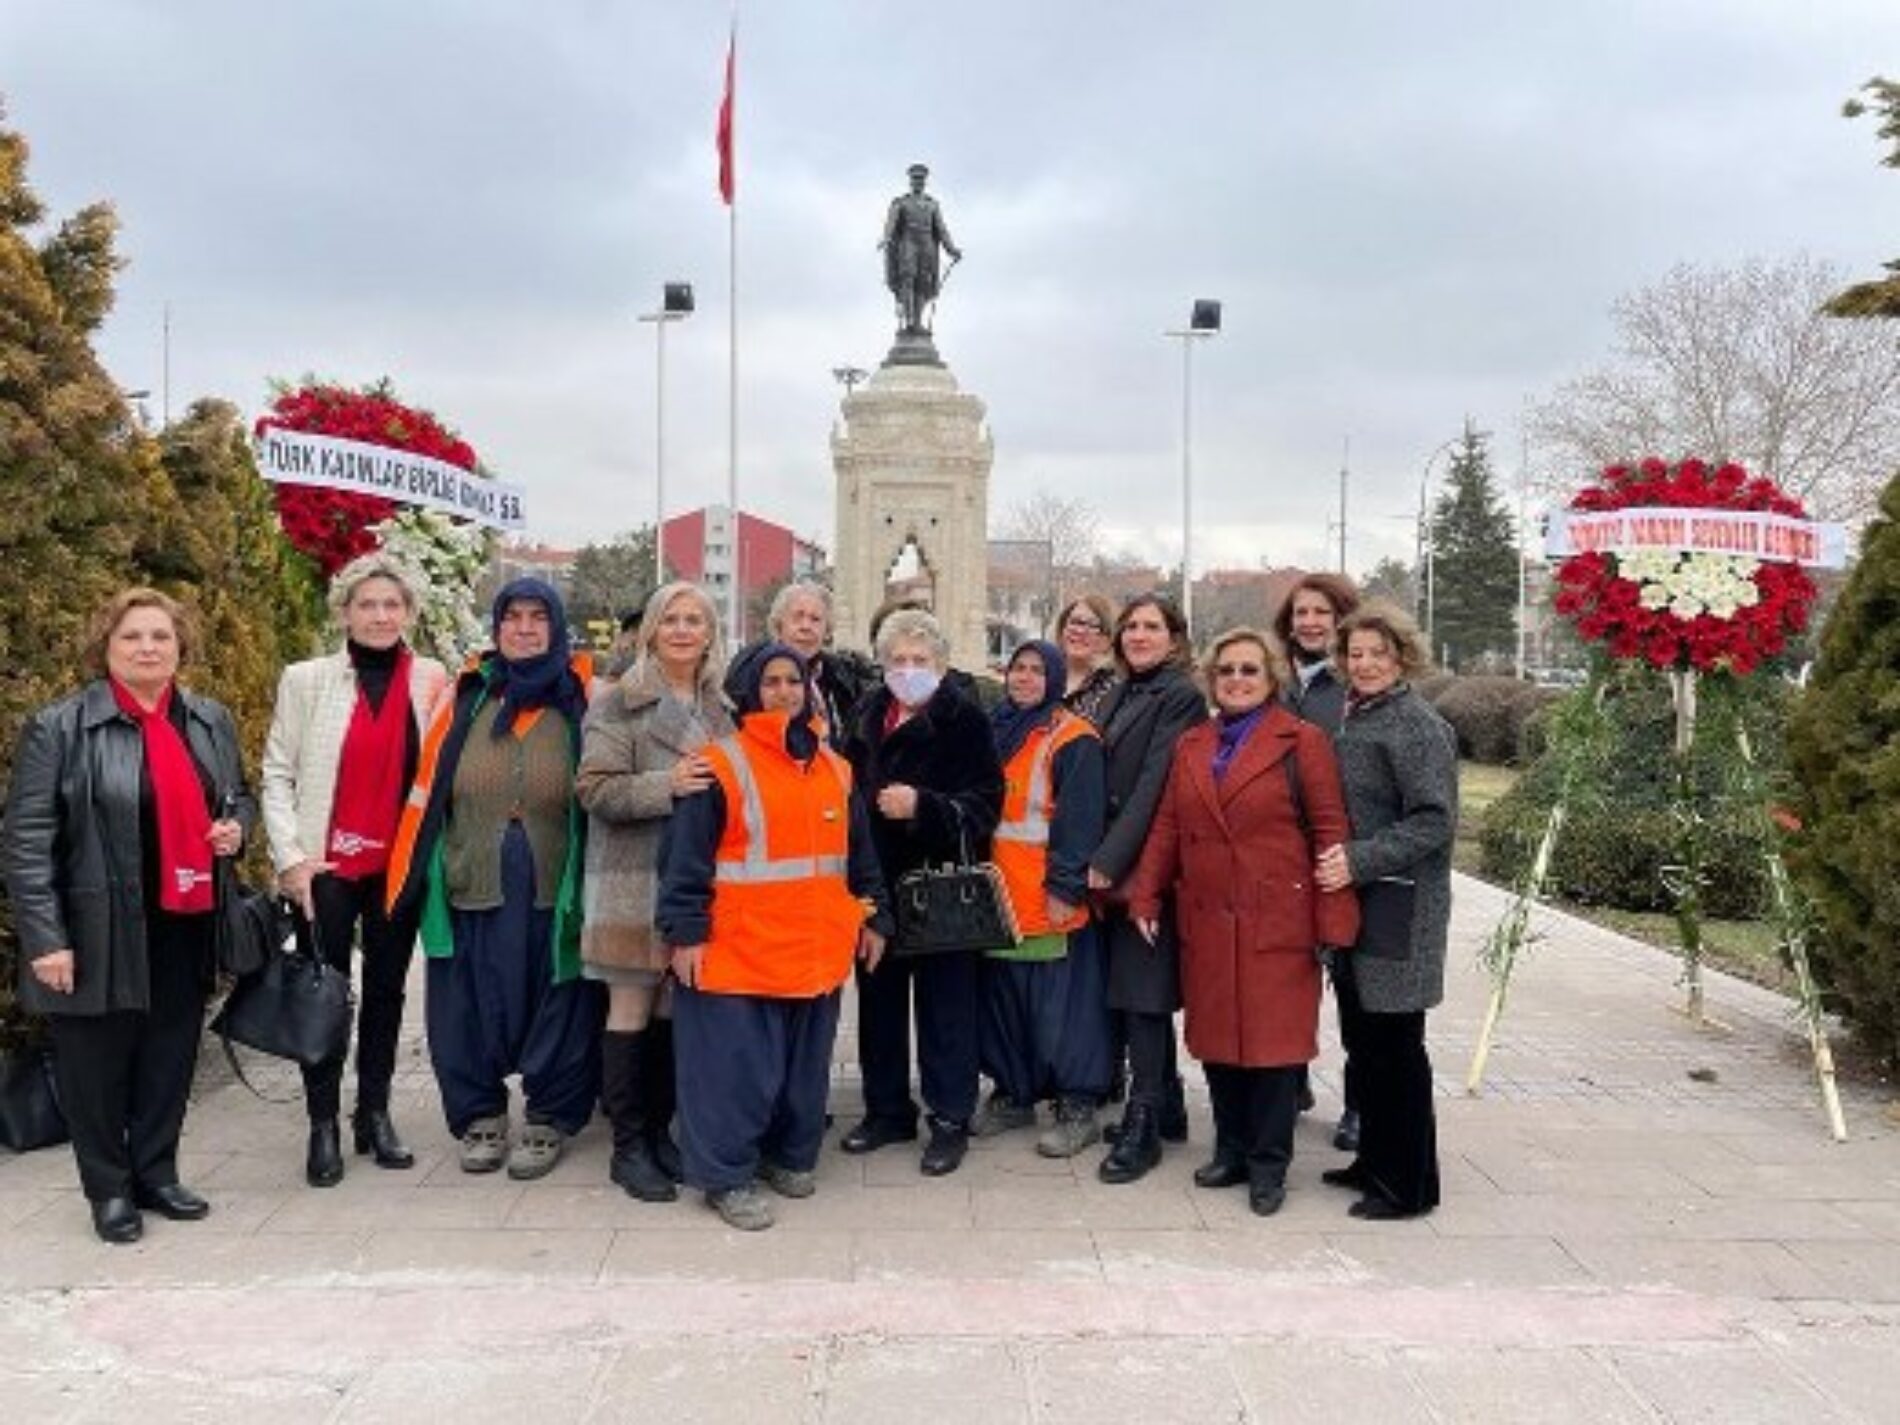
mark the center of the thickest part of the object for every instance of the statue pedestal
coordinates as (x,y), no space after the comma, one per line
(912,458)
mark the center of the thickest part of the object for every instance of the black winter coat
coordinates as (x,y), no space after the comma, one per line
(73,841)
(1141,722)
(945,751)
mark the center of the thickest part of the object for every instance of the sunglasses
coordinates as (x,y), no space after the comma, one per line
(1238,670)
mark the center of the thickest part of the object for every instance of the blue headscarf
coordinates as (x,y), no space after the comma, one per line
(546,679)
(1011,725)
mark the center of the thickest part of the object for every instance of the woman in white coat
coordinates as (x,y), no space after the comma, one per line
(344,739)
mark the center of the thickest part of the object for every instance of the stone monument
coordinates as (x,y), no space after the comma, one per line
(912,457)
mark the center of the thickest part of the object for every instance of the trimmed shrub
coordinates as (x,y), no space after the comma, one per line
(1488,714)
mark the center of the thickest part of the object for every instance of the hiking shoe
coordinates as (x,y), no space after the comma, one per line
(742,1207)
(788,1182)
(536,1152)
(1002,1114)
(1075,1128)
(485,1144)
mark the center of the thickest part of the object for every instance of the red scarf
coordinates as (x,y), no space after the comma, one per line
(178,798)
(369,780)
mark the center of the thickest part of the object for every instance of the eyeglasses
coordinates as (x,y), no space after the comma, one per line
(1238,670)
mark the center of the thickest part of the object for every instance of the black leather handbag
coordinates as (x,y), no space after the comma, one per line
(251,925)
(297,1007)
(958,906)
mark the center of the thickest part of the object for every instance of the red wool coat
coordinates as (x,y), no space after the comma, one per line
(1241,873)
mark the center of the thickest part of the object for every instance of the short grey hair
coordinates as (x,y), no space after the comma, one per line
(375,565)
(803,589)
(905,625)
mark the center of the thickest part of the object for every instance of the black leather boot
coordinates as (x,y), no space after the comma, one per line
(376,1134)
(323,1164)
(662,1077)
(1137,1148)
(623,1092)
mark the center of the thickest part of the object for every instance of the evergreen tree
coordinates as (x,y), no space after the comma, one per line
(76,478)
(1473,590)
(1844,748)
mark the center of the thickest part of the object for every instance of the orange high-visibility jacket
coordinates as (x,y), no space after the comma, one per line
(784,921)
(1021,846)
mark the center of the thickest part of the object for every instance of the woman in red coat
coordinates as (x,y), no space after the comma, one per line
(1252,799)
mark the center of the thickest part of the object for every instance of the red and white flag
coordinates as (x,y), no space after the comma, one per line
(725,126)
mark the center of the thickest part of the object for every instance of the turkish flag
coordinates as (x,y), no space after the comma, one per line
(725,127)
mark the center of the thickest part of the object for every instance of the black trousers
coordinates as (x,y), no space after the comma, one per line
(388,946)
(948,998)
(1254,1113)
(124,1078)
(1152,1065)
(1398,1126)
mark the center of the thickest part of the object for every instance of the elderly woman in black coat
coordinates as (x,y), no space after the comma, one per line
(926,767)
(122,795)
(1141,720)
(1398,761)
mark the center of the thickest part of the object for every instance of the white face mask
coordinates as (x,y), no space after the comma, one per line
(911,686)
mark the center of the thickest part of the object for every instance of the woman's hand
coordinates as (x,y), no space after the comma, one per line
(293,883)
(691,774)
(1332,872)
(226,837)
(898,802)
(686,963)
(54,971)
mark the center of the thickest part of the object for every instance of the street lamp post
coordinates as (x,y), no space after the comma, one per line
(1203,322)
(676,305)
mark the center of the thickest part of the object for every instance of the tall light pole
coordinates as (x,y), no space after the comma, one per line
(1203,322)
(676,305)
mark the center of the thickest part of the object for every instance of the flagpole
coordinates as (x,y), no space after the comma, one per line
(732,335)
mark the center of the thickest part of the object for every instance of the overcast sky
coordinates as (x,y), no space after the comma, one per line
(1411,212)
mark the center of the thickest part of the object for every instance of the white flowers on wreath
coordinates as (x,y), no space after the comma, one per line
(448,558)
(1692,584)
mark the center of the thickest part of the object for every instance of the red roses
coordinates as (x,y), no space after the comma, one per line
(333,526)
(1634,621)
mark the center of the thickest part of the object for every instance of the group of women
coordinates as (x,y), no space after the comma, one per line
(649,892)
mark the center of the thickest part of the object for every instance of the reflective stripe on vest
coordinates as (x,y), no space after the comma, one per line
(758,868)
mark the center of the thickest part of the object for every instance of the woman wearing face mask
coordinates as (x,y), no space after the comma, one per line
(1045,1011)
(928,771)
(641,751)
(768,891)
(1145,716)
(489,854)
(345,738)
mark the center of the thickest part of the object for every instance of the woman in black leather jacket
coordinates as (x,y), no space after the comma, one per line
(121,795)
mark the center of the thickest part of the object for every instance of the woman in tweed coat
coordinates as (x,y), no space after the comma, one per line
(1398,761)
(640,749)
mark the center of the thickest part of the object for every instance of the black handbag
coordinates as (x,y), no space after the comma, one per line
(1385,918)
(959,906)
(297,1007)
(251,925)
(29,1100)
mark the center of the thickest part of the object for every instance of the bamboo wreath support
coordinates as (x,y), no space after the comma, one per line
(1791,924)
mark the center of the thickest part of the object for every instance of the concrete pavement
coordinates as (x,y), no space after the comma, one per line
(1642,1222)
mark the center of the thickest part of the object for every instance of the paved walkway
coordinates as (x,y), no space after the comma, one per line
(1642,1222)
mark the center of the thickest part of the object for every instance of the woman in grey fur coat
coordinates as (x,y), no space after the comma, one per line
(640,751)
(1398,760)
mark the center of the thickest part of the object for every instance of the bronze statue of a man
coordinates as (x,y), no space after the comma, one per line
(913,230)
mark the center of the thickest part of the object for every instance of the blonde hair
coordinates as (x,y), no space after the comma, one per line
(1274,658)
(712,663)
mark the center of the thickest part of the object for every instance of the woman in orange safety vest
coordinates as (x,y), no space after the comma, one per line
(769,888)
